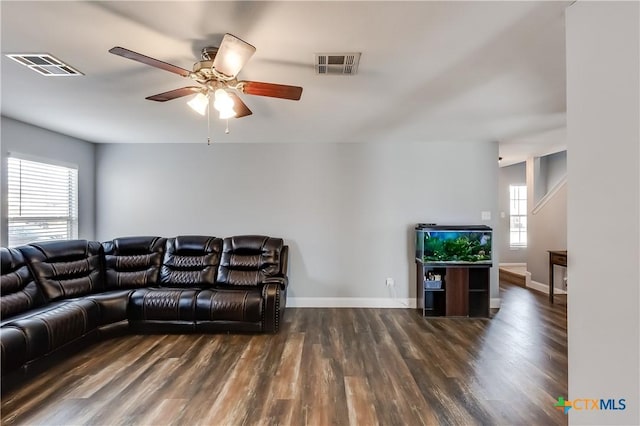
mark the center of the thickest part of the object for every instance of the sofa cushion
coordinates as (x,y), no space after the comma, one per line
(247,260)
(18,290)
(113,305)
(190,261)
(133,262)
(66,269)
(242,305)
(55,325)
(152,304)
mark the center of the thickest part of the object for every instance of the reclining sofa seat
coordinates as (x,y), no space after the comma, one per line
(18,293)
(189,264)
(210,285)
(250,283)
(130,263)
(54,316)
(56,293)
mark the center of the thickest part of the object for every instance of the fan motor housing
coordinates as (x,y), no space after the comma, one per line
(208,53)
(203,70)
(202,66)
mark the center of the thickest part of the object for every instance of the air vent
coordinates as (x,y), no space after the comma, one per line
(337,63)
(44,64)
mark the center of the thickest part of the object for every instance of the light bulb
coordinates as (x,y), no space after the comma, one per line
(230,113)
(199,103)
(224,104)
(223,100)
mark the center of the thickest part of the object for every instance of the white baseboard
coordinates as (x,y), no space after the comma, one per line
(544,288)
(350,302)
(362,302)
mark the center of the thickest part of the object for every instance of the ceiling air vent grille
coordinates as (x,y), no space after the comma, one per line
(44,64)
(337,63)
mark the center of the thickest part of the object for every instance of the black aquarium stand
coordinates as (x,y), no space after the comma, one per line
(459,290)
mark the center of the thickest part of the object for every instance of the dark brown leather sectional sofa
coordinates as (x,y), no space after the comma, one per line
(55,294)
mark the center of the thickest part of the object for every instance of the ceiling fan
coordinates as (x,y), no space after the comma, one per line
(216,73)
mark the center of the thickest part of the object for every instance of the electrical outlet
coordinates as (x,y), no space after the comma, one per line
(390,282)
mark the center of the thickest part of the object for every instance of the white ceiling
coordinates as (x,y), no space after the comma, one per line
(429,70)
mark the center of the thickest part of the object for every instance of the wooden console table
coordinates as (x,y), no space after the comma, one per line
(556,257)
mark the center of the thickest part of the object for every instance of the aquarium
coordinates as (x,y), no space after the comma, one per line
(453,244)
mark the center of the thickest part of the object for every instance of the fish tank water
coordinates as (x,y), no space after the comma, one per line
(438,244)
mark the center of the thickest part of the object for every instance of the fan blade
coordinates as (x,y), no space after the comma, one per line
(130,54)
(173,94)
(272,90)
(232,54)
(238,106)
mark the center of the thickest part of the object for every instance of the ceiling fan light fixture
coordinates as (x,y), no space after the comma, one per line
(224,104)
(199,103)
(227,114)
(216,75)
(232,54)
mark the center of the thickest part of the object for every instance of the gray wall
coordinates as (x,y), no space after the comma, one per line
(603,124)
(23,138)
(547,221)
(346,210)
(547,230)
(555,168)
(515,174)
(549,170)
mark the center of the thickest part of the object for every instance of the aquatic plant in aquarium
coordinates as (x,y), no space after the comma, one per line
(449,244)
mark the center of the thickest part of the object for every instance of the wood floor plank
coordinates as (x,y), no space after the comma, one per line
(163,413)
(227,407)
(202,385)
(325,367)
(285,382)
(362,410)
(325,397)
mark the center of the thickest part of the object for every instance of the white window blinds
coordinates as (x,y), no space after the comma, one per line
(43,202)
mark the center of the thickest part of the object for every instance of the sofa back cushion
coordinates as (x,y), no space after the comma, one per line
(18,290)
(190,261)
(66,269)
(133,262)
(248,259)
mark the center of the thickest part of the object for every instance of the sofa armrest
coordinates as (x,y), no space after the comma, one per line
(271,295)
(280,280)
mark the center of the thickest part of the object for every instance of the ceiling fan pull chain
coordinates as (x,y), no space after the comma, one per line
(227,129)
(209,122)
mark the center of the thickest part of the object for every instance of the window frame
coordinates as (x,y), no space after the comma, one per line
(518,212)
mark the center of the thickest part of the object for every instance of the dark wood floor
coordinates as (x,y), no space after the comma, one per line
(326,366)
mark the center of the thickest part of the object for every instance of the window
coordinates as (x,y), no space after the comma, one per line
(42,201)
(518,215)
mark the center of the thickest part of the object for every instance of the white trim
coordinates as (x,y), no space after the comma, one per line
(350,302)
(544,288)
(500,265)
(363,302)
(549,195)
